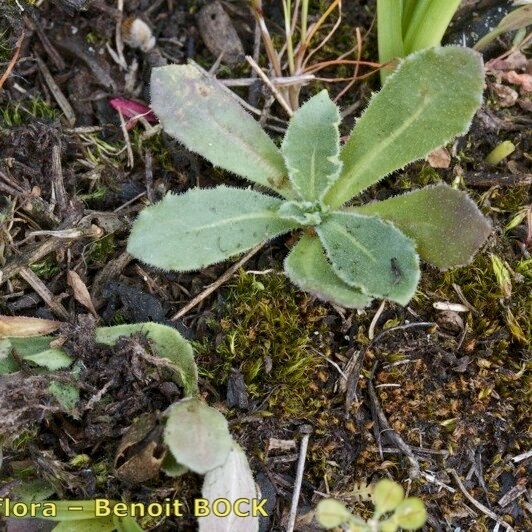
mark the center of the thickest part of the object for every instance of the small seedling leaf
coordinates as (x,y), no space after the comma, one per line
(197,435)
(426,102)
(196,110)
(168,344)
(445,223)
(232,481)
(308,268)
(311,147)
(171,467)
(387,495)
(411,514)
(37,349)
(203,227)
(331,513)
(372,255)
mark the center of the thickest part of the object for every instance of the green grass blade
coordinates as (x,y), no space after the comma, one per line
(389,32)
(196,110)
(445,223)
(308,268)
(372,255)
(430,99)
(202,227)
(429,32)
(311,147)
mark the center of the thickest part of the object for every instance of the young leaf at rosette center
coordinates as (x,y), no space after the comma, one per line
(196,110)
(232,481)
(426,102)
(205,226)
(311,147)
(309,269)
(168,344)
(197,435)
(445,223)
(372,255)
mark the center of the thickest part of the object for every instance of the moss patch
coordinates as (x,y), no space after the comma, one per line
(273,336)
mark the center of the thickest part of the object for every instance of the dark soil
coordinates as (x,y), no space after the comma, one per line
(453,386)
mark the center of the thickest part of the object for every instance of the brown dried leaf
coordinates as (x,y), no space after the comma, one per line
(439,158)
(219,34)
(81,293)
(506,95)
(20,326)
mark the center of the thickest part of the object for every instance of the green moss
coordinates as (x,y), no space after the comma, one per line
(45,269)
(20,113)
(268,333)
(102,250)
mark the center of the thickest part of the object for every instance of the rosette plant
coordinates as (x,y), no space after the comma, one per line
(347,255)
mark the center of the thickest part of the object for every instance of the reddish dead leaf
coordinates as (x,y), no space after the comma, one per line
(133,110)
(506,95)
(523,80)
(20,326)
(81,293)
(514,61)
(439,158)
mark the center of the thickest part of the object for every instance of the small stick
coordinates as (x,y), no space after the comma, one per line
(214,286)
(393,435)
(57,177)
(55,306)
(13,61)
(130,157)
(272,87)
(57,93)
(371,330)
(476,503)
(306,430)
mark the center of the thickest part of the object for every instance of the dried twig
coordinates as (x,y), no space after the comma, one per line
(219,282)
(57,178)
(55,306)
(391,434)
(476,503)
(57,93)
(13,61)
(273,88)
(306,430)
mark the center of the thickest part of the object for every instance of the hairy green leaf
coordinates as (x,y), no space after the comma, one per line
(196,110)
(232,481)
(371,255)
(387,495)
(197,435)
(331,513)
(426,102)
(445,223)
(411,514)
(202,227)
(35,349)
(308,268)
(311,147)
(168,344)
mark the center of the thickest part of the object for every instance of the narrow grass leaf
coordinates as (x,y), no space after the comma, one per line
(371,255)
(311,147)
(196,110)
(309,269)
(204,226)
